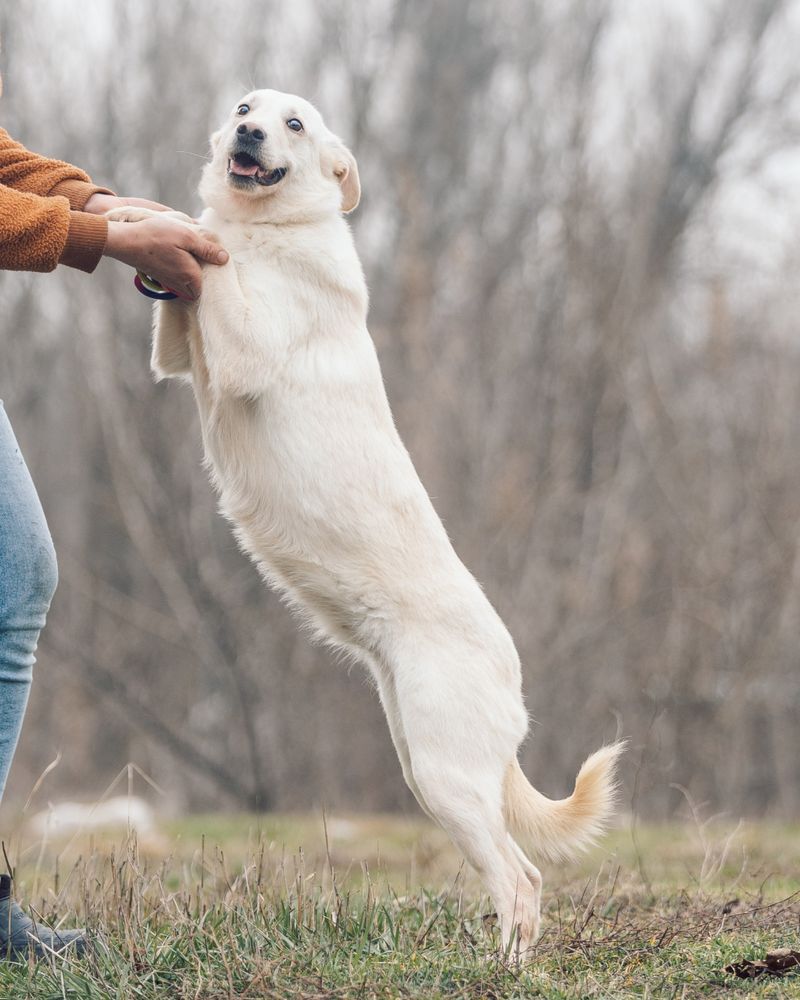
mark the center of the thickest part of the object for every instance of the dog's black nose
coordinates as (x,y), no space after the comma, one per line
(251,133)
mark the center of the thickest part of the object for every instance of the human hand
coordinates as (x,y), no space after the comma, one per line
(166,250)
(99,204)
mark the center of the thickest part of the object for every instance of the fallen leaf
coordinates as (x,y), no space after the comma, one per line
(782,959)
(774,963)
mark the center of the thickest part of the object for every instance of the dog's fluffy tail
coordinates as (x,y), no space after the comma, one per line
(558,829)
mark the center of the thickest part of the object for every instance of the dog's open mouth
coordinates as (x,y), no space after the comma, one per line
(243,165)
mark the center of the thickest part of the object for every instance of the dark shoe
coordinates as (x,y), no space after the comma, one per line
(20,936)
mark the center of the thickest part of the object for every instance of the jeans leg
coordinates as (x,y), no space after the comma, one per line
(28,578)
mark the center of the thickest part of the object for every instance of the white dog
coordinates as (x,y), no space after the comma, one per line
(323,495)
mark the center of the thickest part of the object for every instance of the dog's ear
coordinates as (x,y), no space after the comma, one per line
(345,169)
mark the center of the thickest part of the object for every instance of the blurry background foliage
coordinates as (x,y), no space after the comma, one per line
(579,228)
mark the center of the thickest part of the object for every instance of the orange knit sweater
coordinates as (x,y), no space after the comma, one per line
(41,222)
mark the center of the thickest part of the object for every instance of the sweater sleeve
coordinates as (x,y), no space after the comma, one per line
(38,233)
(26,171)
(41,222)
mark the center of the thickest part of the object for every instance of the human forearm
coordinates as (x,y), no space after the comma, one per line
(26,171)
(37,234)
(41,212)
(33,231)
(51,213)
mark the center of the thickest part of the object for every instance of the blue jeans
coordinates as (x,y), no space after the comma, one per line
(28,578)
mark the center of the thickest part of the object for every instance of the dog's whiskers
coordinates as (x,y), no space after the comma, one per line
(188,152)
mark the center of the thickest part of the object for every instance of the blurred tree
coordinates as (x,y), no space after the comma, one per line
(577,230)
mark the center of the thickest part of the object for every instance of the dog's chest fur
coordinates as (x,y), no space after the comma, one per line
(313,268)
(308,464)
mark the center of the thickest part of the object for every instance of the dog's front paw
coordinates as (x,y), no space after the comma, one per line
(179,217)
(135,213)
(131,213)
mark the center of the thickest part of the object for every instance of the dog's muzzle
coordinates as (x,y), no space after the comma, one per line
(245,167)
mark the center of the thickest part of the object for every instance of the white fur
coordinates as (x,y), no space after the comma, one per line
(323,495)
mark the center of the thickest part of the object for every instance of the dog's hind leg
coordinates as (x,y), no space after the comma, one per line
(461,729)
(466,803)
(534,877)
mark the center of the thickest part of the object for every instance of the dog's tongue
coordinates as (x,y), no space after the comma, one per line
(250,170)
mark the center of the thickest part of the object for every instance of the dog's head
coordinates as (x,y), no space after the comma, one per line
(274,160)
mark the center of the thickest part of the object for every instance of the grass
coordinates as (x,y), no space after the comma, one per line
(223,907)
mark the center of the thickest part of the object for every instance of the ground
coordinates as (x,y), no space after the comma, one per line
(234,907)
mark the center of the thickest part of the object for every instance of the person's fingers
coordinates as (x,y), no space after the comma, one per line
(181,273)
(209,234)
(203,248)
(167,250)
(213,254)
(193,277)
(188,281)
(187,292)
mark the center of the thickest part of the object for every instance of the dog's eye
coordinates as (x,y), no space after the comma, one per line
(295,125)
(242,109)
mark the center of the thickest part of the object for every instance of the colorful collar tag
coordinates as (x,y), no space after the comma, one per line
(151,288)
